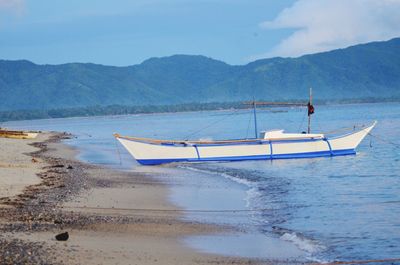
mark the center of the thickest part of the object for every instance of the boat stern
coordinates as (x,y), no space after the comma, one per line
(155,153)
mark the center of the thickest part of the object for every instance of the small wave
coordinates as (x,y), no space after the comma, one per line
(252,193)
(225,175)
(238,180)
(308,245)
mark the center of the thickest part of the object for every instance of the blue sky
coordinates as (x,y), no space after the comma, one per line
(123,32)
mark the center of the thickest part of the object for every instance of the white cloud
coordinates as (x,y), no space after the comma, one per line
(322,25)
(14,6)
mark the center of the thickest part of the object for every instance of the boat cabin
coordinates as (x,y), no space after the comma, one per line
(279,134)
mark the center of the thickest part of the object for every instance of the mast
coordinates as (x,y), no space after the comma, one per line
(309,112)
(255,119)
(254,103)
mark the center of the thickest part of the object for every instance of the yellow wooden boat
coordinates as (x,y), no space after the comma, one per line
(4,133)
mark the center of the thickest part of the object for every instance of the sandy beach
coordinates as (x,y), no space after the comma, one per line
(112,217)
(18,171)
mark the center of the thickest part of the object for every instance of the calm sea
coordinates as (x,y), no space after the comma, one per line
(340,208)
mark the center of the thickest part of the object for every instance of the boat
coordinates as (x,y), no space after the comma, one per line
(4,133)
(268,145)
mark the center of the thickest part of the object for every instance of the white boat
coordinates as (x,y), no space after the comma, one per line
(271,145)
(267,145)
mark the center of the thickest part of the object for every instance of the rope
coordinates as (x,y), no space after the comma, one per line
(370,134)
(302,121)
(119,154)
(345,129)
(316,122)
(170,210)
(359,261)
(248,125)
(165,210)
(384,140)
(211,124)
(161,210)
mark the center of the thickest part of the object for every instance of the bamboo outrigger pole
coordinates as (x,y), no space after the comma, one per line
(255,120)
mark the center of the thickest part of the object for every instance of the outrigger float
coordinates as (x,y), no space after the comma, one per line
(267,145)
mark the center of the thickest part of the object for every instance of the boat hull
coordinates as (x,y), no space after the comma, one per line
(151,162)
(155,153)
(17,134)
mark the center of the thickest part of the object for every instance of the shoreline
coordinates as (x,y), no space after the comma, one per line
(5,120)
(104,212)
(282,185)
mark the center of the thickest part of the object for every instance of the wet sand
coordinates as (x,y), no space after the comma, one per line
(112,217)
(18,170)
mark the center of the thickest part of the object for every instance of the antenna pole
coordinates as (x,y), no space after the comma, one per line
(309,114)
(255,119)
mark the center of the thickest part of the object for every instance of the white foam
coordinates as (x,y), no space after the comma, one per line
(225,175)
(251,194)
(308,245)
(237,180)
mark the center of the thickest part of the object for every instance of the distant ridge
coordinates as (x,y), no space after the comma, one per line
(367,71)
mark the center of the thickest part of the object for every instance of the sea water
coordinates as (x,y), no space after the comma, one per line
(340,208)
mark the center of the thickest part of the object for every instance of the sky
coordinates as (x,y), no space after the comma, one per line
(127,32)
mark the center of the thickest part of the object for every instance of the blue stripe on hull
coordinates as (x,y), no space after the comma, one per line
(254,157)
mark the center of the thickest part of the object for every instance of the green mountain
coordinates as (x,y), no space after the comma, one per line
(367,71)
